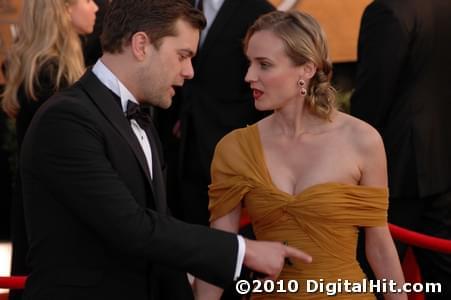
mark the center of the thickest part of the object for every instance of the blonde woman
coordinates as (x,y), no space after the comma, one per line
(308,175)
(45,57)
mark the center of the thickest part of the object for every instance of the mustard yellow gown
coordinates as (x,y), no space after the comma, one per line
(322,220)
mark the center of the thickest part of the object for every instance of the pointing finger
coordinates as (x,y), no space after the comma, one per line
(298,254)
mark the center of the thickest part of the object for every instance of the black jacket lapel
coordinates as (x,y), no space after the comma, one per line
(225,13)
(104,100)
(157,169)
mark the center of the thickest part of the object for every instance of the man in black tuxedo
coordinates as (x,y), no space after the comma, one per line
(402,89)
(216,101)
(92,171)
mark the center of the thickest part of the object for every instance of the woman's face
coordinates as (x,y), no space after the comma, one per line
(271,74)
(83,15)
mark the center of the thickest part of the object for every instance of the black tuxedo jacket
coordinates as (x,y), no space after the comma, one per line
(97,223)
(218,100)
(403,78)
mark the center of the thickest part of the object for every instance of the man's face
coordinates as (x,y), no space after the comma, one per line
(168,66)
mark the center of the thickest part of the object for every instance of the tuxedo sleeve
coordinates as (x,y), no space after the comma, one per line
(69,158)
(382,50)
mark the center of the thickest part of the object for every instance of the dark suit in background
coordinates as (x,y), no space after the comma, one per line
(213,103)
(96,220)
(402,89)
(5,179)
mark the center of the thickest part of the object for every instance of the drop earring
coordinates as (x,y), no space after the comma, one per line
(301,84)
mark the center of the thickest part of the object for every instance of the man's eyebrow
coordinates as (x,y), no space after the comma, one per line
(187,52)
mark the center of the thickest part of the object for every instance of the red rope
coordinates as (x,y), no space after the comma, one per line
(404,235)
(13,282)
(420,240)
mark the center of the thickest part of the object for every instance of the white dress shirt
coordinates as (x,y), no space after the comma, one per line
(210,9)
(114,84)
(111,82)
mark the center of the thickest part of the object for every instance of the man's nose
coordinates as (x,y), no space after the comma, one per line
(188,70)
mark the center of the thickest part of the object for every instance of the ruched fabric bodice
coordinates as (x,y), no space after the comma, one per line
(322,220)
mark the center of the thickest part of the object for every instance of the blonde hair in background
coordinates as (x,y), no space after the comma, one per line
(304,41)
(44,34)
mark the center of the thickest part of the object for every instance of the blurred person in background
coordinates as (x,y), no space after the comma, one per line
(45,57)
(92,49)
(212,104)
(402,89)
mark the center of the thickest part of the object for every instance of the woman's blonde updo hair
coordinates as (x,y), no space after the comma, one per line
(45,34)
(304,41)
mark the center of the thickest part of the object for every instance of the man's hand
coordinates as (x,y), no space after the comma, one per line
(269,257)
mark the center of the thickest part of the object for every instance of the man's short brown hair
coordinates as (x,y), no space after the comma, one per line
(156,18)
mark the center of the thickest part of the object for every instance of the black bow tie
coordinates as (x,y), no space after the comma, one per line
(138,113)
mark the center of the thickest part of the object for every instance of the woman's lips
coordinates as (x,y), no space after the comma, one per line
(256,93)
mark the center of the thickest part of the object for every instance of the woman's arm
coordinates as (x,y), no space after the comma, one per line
(383,258)
(380,249)
(230,222)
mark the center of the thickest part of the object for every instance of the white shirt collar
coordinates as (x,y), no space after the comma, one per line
(113,83)
(216,4)
(211,9)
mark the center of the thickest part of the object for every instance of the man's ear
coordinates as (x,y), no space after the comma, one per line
(308,70)
(139,45)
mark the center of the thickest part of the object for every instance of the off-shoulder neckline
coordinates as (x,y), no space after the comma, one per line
(261,159)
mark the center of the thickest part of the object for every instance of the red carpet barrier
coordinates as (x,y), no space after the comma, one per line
(13,282)
(410,267)
(409,264)
(412,272)
(404,235)
(420,240)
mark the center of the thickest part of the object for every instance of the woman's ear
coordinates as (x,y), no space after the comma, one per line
(139,45)
(68,10)
(308,70)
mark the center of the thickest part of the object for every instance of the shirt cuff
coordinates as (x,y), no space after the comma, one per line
(240,257)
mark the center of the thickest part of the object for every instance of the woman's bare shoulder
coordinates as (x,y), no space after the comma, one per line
(361,134)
